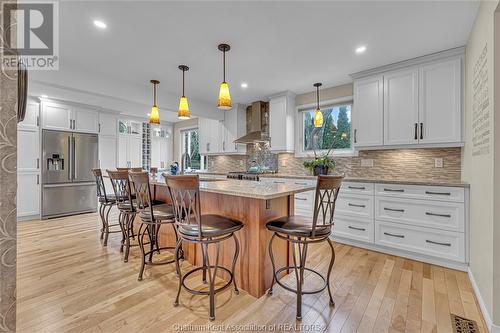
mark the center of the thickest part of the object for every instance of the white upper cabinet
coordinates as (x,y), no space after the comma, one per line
(282,122)
(368,112)
(210,136)
(233,127)
(421,104)
(63,117)
(161,147)
(57,116)
(108,124)
(32,116)
(401,107)
(440,102)
(85,120)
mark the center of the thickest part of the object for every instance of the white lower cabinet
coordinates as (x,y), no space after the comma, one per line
(28,194)
(427,223)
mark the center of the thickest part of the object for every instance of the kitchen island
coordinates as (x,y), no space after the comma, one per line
(254,203)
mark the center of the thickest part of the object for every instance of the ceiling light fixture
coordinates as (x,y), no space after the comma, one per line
(244,85)
(154,117)
(318,115)
(100,24)
(360,49)
(183,112)
(224,101)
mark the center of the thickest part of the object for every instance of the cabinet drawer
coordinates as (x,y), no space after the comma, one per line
(354,205)
(305,200)
(357,188)
(434,214)
(352,228)
(439,243)
(441,193)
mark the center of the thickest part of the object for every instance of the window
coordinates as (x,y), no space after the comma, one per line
(191,157)
(336,130)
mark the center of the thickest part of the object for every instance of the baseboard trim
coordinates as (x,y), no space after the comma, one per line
(486,315)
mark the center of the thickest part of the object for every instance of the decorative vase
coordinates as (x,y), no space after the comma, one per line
(320,170)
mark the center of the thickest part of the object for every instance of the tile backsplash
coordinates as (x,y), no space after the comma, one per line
(394,163)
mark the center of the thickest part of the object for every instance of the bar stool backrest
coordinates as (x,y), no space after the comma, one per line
(327,190)
(185,193)
(121,186)
(138,169)
(101,189)
(142,190)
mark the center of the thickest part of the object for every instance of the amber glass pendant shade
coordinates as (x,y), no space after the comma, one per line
(154,116)
(318,115)
(224,97)
(183,112)
(318,118)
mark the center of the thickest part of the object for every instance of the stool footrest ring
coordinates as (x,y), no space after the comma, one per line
(303,291)
(199,292)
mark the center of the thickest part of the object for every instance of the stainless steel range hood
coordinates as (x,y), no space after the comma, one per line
(256,133)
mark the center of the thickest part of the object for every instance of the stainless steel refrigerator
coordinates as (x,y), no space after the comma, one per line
(68,184)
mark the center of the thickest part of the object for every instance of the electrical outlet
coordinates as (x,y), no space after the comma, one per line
(367,162)
(241,163)
(282,163)
(438,162)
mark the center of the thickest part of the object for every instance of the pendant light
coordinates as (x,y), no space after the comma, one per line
(224,102)
(183,112)
(154,116)
(318,115)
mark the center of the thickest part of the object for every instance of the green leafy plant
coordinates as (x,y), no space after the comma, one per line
(323,161)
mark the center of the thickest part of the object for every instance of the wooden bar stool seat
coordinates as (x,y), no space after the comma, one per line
(301,231)
(201,229)
(152,218)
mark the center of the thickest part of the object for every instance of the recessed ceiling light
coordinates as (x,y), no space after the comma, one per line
(360,49)
(44,96)
(100,24)
(244,85)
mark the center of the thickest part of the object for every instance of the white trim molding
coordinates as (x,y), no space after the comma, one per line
(492,328)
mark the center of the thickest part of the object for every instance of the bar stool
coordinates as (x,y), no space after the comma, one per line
(126,206)
(152,218)
(302,231)
(201,229)
(106,202)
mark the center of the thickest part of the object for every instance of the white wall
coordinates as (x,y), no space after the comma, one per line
(478,169)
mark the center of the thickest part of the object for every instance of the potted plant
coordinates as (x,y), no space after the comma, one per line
(321,164)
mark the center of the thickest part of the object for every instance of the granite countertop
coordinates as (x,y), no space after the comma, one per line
(264,189)
(385,180)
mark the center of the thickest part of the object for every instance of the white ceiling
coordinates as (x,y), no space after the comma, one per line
(275,46)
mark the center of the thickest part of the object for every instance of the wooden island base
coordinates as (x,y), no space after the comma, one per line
(253,269)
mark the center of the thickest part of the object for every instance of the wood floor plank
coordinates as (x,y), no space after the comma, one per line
(69,282)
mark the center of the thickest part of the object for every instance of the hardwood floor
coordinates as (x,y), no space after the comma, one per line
(68,282)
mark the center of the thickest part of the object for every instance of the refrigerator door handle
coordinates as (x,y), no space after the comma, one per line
(69,158)
(73,148)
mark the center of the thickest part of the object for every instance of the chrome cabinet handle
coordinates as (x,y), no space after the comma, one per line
(279,182)
(38,179)
(440,215)
(437,243)
(357,187)
(416,130)
(437,193)
(394,235)
(38,163)
(394,210)
(355,135)
(300,183)
(356,205)
(354,228)
(301,199)
(393,190)
(421,131)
